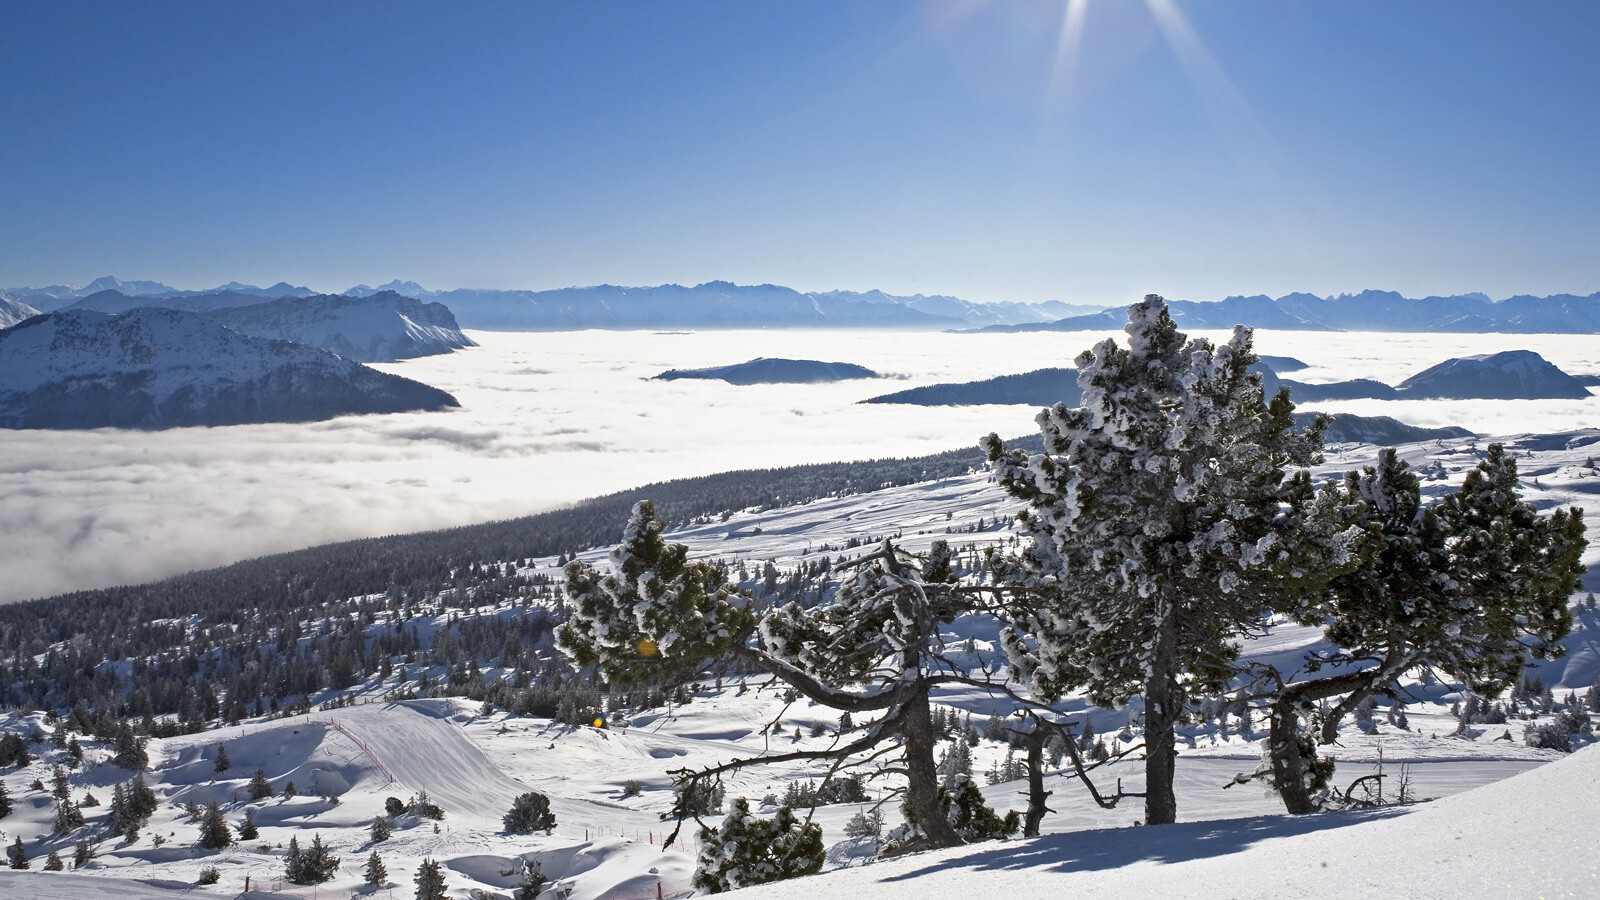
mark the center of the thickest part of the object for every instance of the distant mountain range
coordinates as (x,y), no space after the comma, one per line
(722,304)
(381,327)
(717,304)
(1366,311)
(154,368)
(60,296)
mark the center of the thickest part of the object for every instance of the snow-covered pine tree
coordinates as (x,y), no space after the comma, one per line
(533,882)
(247,826)
(380,829)
(1470,586)
(5,801)
(747,850)
(656,615)
(223,763)
(529,812)
(52,862)
(1161,526)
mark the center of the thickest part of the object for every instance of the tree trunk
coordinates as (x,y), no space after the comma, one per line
(1161,709)
(922,789)
(1288,762)
(1036,791)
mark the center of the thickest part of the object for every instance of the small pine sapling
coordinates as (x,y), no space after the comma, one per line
(214,831)
(17,856)
(375,873)
(259,788)
(748,850)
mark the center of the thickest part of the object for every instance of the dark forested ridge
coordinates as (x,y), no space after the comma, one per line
(270,634)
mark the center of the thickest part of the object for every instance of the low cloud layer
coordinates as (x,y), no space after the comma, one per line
(548,419)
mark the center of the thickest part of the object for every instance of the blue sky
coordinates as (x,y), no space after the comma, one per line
(1083,151)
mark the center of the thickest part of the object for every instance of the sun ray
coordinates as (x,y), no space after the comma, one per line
(1064,69)
(1239,128)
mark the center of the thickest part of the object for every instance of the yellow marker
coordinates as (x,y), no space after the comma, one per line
(599,723)
(647,647)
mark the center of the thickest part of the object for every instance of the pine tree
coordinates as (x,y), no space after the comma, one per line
(60,788)
(1161,521)
(380,829)
(972,818)
(259,788)
(748,850)
(223,762)
(5,801)
(129,749)
(657,616)
(1471,585)
(82,852)
(17,856)
(294,863)
(430,881)
(375,873)
(68,817)
(247,826)
(214,831)
(529,812)
(53,863)
(533,882)
(141,799)
(317,864)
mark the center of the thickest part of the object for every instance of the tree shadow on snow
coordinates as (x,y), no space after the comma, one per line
(1113,848)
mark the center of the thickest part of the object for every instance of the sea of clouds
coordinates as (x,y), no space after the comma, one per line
(551,418)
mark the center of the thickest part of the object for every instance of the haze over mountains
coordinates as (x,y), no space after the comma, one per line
(722,304)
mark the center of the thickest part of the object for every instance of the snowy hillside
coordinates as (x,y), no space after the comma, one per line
(382,327)
(159,368)
(610,786)
(14,311)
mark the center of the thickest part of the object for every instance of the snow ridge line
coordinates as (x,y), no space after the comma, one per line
(338,726)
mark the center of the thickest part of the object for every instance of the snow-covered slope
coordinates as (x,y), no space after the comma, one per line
(1530,835)
(161,368)
(14,311)
(1534,832)
(383,327)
